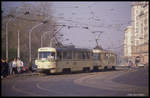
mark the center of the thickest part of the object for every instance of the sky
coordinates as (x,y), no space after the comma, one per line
(108,18)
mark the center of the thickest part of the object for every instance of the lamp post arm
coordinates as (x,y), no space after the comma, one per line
(30,39)
(35,27)
(7,37)
(41,40)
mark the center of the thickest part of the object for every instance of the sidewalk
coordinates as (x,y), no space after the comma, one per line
(22,75)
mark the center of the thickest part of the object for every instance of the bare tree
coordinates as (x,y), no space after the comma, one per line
(24,18)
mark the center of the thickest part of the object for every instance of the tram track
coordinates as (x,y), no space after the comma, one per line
(70,84)
(105,82)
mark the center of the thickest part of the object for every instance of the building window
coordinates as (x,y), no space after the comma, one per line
(145,21)
(137,42)
(136,11)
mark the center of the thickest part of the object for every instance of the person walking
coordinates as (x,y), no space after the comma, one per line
(14,66)
(10,67)
(130,63)
(19,65)
(2,67)
(6,70)
(137,61)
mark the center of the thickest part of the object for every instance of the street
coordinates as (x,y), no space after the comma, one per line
(121,82)
(108,41)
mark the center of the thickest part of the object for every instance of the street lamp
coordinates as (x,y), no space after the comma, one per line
(30,37)
(7,37)
(7,34)
(12,17)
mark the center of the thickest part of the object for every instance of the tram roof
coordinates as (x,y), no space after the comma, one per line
(72,49)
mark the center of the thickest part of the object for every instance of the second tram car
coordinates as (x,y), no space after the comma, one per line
(103,59)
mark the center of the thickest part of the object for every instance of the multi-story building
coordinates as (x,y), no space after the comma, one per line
(127,42)
(140,30)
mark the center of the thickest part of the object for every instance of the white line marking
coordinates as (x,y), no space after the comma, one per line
(107,83)
(25,92)
(48,90)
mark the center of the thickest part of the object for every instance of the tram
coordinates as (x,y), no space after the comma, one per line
(103,59)
(57,60)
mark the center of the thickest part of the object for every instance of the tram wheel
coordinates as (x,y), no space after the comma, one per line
(66,70)
(95,69)
(105,68)
(113,68)
(86,69)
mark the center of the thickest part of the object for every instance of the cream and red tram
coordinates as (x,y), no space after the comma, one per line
(55,60)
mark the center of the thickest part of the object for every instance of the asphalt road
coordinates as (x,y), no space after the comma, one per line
(109,83)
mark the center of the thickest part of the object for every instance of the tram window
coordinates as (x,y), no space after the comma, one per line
(87,55)
(104,56)
(59,55)
(67,55)
(74,54)
(100,58)
(79,55)
(112,59)
(83,55)
(96,56)
(46,54)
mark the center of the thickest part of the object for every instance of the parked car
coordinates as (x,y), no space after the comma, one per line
(34,67)
(140,65)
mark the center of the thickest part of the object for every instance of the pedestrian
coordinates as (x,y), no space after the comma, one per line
(19,65)
(6,67)
(130,63)
(10,67)
(137,61)
(14,66)
(2,67)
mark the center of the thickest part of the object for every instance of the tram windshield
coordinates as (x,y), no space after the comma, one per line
(47,55)
(96,56)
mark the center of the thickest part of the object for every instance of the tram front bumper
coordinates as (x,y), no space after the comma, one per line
(51,70)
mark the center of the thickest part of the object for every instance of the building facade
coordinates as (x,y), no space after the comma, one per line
(140,31)
(127,42)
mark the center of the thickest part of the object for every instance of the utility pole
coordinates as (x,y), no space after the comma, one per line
(30,39)
(7,37)
(12,17)
(7,40)
(18,44)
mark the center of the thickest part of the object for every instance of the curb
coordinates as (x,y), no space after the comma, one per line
(21,75)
